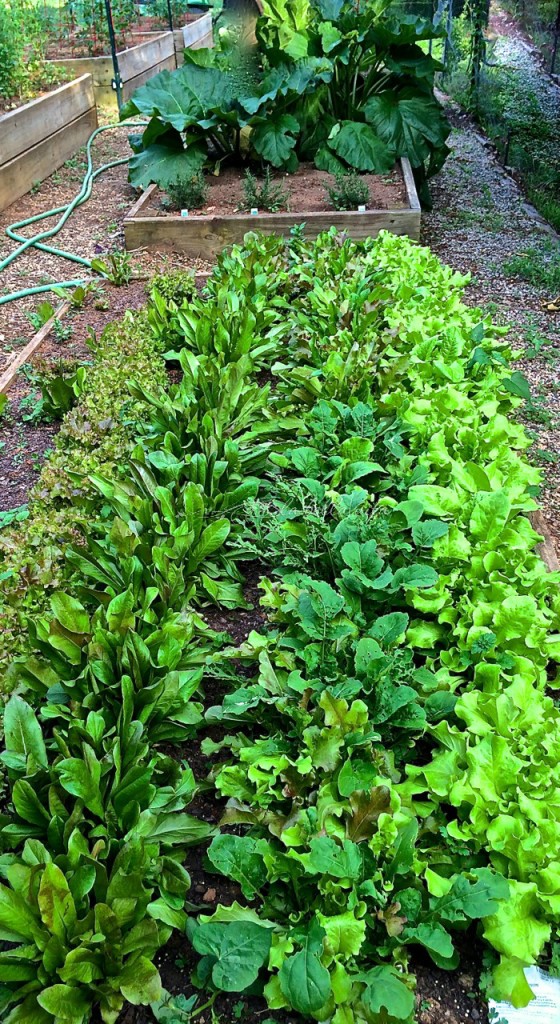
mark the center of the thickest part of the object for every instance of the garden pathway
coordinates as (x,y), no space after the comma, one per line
(480,221)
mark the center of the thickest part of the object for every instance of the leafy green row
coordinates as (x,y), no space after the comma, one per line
(95,436)
(489,619)
(393,542)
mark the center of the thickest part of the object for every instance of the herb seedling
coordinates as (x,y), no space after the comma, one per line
(348,192)
(266,195)
(116,268)
(188,192)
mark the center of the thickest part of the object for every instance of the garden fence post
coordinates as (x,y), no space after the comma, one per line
(555,42)
(117,81)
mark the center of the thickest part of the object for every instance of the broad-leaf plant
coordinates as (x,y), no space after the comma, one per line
(339,83)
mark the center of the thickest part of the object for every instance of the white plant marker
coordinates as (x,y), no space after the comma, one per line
(361,209)
(254,211)
(543,1009)
(184,213)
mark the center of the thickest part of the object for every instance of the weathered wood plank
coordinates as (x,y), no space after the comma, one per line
(145,56)
(207,236)
(547,548)
(410,184)
(17,176)
(140,202)
(197,33)
(154,50)
(203,42)
(36,120)
(22,357)
(169,64)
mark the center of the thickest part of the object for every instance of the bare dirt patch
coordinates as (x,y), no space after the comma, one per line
(305,191)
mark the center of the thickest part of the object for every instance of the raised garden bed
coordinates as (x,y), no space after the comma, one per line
(395,207)
(194,35)
(38,137)
(153,52)
(367,669)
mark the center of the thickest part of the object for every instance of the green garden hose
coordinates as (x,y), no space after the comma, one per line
(38,241)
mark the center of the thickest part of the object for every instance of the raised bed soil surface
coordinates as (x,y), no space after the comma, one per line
(305,193)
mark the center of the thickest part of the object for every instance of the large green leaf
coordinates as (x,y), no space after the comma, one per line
(56,904)
(165,164)
(409,122)
(81,778)
(70,613)
(385,990)
(17,920)
(24,739)
(140,982)
(28,1012)
(236,952)
(274,138)
(237,857)
(410,60)
(183,97)
(67,1003)
(360,147)
(171,829)
(400,30)
(303,979)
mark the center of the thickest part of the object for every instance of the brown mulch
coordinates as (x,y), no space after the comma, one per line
(240,623)
(305,192)
(451,997)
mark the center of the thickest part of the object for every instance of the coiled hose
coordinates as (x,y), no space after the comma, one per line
(38,241)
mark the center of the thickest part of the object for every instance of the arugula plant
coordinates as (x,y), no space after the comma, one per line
(344,900)
(340,84)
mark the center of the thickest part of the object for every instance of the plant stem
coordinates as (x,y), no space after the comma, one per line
(205,1006)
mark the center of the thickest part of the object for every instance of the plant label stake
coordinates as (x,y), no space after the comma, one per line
(254,211)
(184,213)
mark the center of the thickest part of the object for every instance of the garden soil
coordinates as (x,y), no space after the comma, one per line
(304,192)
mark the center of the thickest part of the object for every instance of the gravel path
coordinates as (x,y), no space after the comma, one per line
(479,221)
(516,49)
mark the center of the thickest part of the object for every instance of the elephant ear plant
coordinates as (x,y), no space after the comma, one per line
(339,84)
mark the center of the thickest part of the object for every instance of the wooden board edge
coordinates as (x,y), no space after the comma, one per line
(82,126)
(205,241)
(139,204)
(194,31)
(547,548)
(339,218)
(32,123)
(136,60)
(410,184)
(11,372)
(67,86)
(132,83)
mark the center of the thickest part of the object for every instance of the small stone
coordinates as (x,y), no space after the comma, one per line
(209,896)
